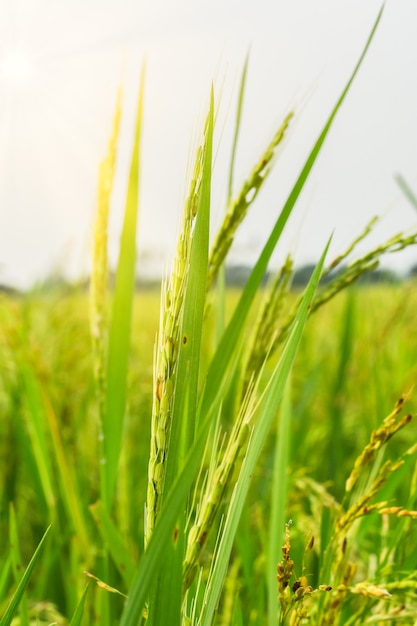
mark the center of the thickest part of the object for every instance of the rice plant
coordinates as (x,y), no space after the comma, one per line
(234,479)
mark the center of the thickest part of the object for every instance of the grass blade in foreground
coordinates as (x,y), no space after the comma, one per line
(6,620)
(78,615)
(270,401)
(278,499)
(17,564)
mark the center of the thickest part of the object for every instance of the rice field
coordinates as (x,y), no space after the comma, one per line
(207,456)
(355,360)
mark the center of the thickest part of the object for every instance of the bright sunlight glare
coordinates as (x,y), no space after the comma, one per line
(17,67)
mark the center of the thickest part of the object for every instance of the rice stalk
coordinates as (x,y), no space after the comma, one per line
(379,437)
(238,208)
(344,255)
(294,597)
(216,487)
(366,263)
(99,274)
(332,286)
(259,343)
(362,506)
(336,563)
(167,349)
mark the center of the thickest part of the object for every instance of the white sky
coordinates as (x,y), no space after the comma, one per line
(61,62)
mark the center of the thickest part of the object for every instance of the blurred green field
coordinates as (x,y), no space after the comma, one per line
(356,358)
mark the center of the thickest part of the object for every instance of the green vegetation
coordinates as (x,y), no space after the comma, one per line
(255,464)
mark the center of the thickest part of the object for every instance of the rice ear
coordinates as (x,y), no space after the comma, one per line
(166,354)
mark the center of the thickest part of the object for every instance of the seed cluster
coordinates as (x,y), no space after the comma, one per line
(167,351)
(99,275)
(286,566)
(292,598)
(213,495)
(266,326)
(379,437)
(238,208)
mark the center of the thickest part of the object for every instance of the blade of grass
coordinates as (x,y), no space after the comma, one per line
(17,563)
(221,275)
(5,575)
(36,426)
(237,127)
(278,499)
(46,427)
(119,336)
(270,402)
(78,615)
(6,620)
(336,434)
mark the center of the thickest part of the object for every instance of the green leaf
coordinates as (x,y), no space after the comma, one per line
(278,499)
(45,434)
(17,563)
(37,429)
(337,436)
(78,615)
(237,127)
(6,620)
(220,303)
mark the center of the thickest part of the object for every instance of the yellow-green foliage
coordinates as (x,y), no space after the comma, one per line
(51,333)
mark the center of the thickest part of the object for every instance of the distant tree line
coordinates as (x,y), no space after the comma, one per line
(236,276)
